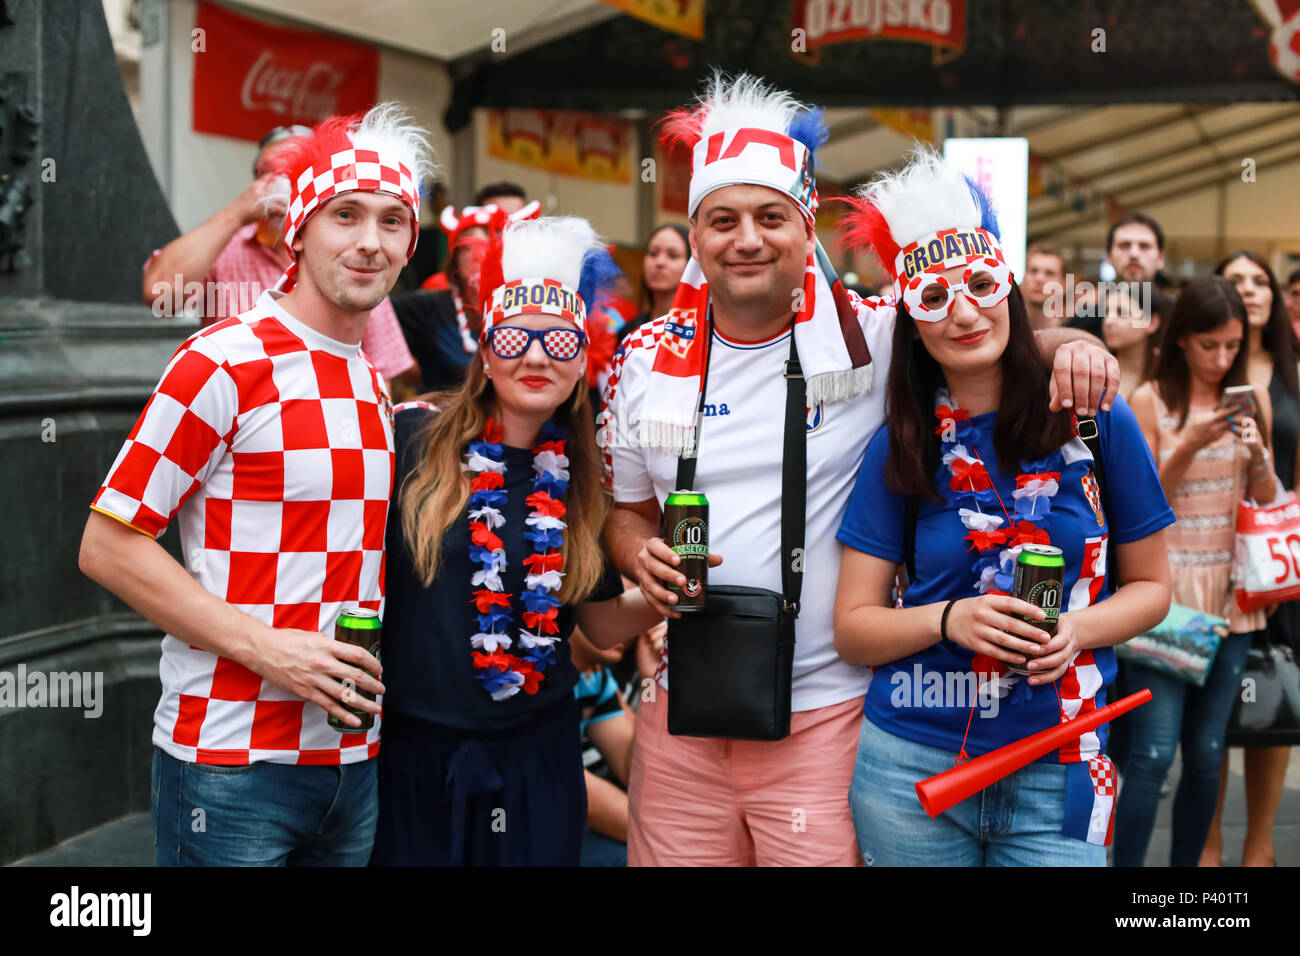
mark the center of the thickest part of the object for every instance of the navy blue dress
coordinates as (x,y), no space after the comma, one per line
(464,779)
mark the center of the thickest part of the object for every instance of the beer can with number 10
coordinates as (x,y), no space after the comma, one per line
(686,531)
(1040,575)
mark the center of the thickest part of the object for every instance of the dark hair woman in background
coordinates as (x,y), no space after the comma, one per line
(666,253)
(1272,367)
(1208,460)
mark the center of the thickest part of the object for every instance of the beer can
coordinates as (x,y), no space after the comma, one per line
(1040,574)
(359,626)
(686,530)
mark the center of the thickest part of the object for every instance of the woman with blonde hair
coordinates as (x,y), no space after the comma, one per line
(494,556)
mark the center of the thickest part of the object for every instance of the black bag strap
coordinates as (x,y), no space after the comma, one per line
(1090,435)
(794,471)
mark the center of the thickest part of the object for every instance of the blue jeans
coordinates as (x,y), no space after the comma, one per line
(1015,822)
(262,814)
(600,850)
(1198,716)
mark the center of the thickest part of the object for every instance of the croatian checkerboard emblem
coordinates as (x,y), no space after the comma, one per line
(1093,491)
(679,331)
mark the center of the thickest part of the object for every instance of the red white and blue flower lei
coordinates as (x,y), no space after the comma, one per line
(998,539)
(501,672)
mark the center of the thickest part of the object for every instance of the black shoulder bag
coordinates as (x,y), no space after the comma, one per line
(730,663)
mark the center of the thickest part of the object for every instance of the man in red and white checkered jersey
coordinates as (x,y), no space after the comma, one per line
(270,438)
(240,252)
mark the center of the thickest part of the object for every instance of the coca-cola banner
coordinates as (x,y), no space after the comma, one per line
(572,144)
(250,77)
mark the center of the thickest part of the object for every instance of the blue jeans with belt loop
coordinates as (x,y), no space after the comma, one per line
(1015,822)
(1196,716)
(262,814)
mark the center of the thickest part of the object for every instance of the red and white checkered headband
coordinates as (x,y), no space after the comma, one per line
(535,296)
(349,170)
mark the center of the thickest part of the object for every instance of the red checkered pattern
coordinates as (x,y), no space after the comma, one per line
(245,268)
(645,336)
(273,446)
(350,170)
(1103,776)
(415,403)
(510,341)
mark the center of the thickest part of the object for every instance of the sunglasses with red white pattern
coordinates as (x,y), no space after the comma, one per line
(929,297)
(511,342)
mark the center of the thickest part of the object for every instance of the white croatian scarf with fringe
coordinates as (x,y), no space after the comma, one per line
(832,349)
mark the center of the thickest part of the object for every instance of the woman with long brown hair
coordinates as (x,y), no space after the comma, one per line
(493,556)
(1210,457)
(1271,367)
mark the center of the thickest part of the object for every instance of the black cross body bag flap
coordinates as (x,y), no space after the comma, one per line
(731,663)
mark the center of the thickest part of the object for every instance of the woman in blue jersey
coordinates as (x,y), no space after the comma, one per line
(972,459)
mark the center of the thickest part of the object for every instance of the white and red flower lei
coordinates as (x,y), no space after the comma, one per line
(998,539)
(501,672)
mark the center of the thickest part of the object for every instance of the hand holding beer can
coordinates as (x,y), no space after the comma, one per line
(361,627)
(686,531)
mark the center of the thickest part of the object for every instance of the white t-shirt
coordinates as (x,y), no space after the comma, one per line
(739,471)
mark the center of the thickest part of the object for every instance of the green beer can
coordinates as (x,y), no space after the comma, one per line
(1040,575)
(359,626)
(686,530)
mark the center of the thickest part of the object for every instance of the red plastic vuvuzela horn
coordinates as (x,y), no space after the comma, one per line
(951,787)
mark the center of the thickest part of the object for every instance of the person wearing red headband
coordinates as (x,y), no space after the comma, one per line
(269,439)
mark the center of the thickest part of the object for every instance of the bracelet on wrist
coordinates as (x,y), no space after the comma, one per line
(943,620)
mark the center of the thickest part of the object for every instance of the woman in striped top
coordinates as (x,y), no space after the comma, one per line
(1209,457)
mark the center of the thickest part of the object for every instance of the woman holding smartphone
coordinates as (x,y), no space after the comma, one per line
(1272,367)
(971,450)
(1210,455)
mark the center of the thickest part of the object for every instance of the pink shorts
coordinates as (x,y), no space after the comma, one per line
(695,801)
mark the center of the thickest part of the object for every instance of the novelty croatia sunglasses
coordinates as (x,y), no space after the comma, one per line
(929,296)
(511,342)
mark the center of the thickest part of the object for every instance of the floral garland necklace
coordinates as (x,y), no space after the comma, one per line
(501,672)
(997,539)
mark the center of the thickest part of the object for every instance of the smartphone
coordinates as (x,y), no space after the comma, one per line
(1241,397)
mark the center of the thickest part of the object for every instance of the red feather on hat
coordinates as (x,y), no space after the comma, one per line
(681,127)
(490,277)
(326,139)
(865,225)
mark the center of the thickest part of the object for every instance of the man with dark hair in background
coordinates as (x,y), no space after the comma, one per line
(1044,274)
(504,195)
(1135,246)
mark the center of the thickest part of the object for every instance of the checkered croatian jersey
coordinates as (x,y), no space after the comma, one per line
(273,445)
